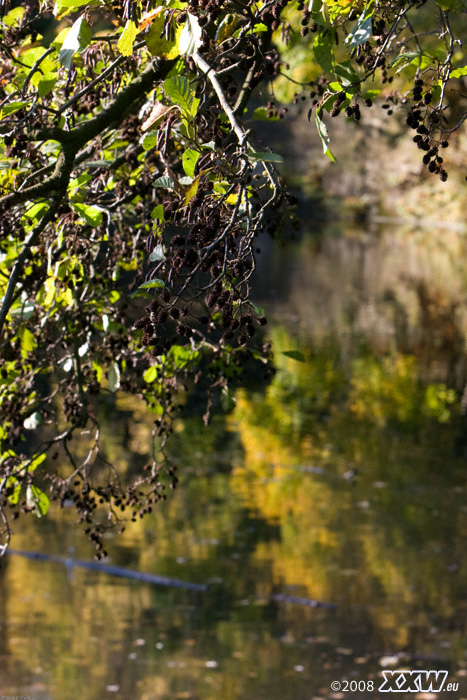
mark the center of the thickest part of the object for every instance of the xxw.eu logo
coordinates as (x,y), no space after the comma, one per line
(415,682)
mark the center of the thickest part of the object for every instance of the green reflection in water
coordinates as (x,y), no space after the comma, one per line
(342,482)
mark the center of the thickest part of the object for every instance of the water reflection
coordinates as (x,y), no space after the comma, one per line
(343,483)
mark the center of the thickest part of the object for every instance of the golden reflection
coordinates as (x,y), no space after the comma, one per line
(342,482)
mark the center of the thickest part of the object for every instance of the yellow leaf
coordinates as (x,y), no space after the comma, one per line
(127,39)
(157,42)
(192,190)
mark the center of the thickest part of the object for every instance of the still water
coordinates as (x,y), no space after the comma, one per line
(326,514)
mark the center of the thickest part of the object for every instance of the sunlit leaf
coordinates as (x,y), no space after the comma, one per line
(159,111)
(323,48)
(362,31)
(226,28)
(156,40)
(405,59)
(152,283)
(191,36)
(149,17)
(458,72)
(37,500)
(92,215)
(191,191)
(11,108)
(33,421)
(61,5)
(189,160)
(150,374)
(114,376)
(179,91)
(13,17)
(13,498)
(78,37)
(158,213)
(150,140)
(157,254)
(36,462)
(28,341)
(127,39)
(323,133)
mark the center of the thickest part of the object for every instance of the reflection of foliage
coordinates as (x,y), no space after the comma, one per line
(383,423)
(389,389)
(284,520)
(130,180)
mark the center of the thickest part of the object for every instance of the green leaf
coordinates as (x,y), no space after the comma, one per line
(406,58)
(323,48)
(47,83)
(79,36)
(458,72)
(157,43)
(92,215)
(158,213)
(265,157)
(12,108)
(362,31)
(179,91)
(36,462)
(323,133)
(64,7)
(226,28)
(152,283)
(261,114)
(455,6)
(294,355)
(37,499)
(191,36)
(127,39)
(35,212)
(114,377)
(14,16)
(189,160)
(150,140)
(14,497)
(347,76)
(150,374)
(165,182)
(28,341)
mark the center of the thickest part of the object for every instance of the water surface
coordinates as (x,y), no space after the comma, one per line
(327,514)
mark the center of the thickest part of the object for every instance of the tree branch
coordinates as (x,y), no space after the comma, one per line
(74,140)
(17,270)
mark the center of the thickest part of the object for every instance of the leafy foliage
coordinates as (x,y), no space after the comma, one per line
(132,194)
